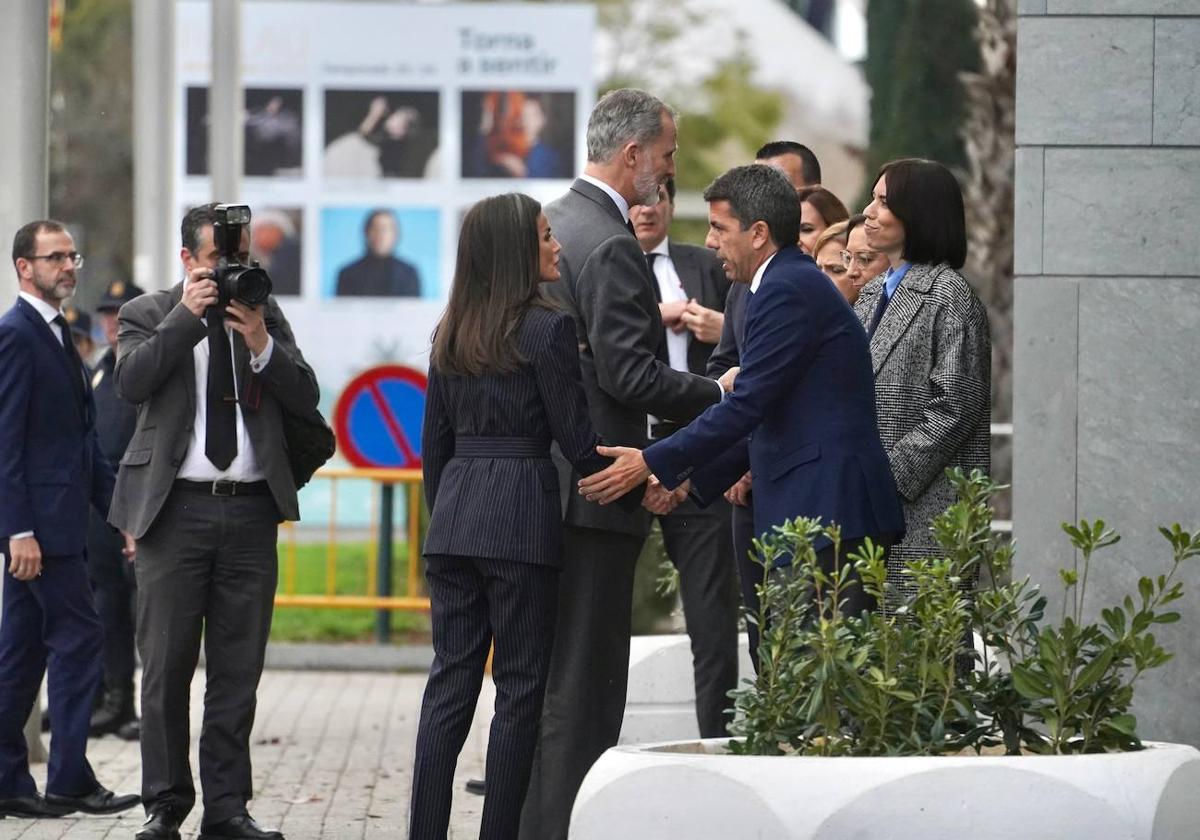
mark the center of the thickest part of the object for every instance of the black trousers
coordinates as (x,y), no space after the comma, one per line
(207,564)
(697,542)
(476,602)
(115,586)
(750,573)
(589,672)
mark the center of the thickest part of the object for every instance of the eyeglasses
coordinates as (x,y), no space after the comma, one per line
(73,257)
(862,258)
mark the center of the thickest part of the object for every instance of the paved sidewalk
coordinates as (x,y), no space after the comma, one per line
(332,758)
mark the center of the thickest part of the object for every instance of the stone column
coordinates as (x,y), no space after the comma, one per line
(1107,314)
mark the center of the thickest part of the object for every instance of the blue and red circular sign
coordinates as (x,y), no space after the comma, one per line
(378,418)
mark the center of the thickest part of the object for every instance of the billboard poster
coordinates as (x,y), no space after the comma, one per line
(369,129)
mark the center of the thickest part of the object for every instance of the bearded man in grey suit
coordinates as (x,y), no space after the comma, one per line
(203,485)
(627,375)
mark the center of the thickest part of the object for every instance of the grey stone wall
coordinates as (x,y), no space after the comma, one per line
(1106,399)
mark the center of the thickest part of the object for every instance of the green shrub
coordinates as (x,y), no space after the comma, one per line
(906,683)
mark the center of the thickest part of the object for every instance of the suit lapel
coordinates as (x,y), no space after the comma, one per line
(906,301)
(594,194)
(189,369)
(685,267)
(46,333)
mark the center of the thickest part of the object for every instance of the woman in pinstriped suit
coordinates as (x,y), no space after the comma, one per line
(503,382)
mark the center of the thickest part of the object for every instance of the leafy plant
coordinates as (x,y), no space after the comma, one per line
(909,683)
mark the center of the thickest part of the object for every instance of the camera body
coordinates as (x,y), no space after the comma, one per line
(247,284)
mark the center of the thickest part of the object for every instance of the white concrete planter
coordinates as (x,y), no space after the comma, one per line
(694,790)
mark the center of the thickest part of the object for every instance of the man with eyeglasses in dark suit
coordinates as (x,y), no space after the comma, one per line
(51,468)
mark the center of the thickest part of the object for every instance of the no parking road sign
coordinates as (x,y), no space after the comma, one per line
(378,418)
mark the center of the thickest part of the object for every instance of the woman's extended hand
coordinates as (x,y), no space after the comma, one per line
(618,478)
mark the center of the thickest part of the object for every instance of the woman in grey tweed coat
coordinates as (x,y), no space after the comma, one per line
(930,345)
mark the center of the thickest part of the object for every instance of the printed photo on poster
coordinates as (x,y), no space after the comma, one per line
(518,134)
(380,252)
(276,242)
(274,130)
(381,134)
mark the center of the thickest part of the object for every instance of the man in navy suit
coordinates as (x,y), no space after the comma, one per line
(51,466)
(804,396)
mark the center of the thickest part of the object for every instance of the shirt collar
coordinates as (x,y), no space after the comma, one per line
(758,275)
(663,247)
(894,276)
(617,198)
(44,309)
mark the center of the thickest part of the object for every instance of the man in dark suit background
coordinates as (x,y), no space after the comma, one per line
(691,287)
(379,273)
(607,288)
(51,467)
(112,575)
(803,412)
(802,169)
(203,486)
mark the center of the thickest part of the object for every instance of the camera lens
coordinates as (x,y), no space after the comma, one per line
(251,286)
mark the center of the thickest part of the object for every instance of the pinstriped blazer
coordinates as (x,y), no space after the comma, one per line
(507,508)
(932,357)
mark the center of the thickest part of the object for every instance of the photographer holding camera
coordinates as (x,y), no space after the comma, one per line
(203,485)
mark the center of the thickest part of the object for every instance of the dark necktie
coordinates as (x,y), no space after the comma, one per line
(220,430)
(884,297)
(653,278)
(73,359)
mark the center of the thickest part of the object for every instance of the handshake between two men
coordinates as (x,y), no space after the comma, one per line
(629,469)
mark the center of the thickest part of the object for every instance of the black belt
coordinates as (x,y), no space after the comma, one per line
(501,447)
(658,431)
(223,487)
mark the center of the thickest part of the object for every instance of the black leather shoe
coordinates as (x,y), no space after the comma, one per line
(241,827)
(161,824)
(100,801)
(33,807)
(115,711)
(130,730)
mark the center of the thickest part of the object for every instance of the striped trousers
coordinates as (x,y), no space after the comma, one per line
(476,602)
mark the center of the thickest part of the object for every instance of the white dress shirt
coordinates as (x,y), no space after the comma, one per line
(670,289)
(196,466)
(758,275)
(49,313)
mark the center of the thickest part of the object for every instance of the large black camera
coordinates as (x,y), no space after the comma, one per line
(246,284)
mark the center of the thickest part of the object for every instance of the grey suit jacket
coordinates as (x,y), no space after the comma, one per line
(932,358)
(155,371)
(607,287)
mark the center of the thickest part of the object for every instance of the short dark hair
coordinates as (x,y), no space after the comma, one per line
(828,205)
(810,167)
(376,213)
(925,196)
(760,193)
(854,221)
(193,220)
(26,239)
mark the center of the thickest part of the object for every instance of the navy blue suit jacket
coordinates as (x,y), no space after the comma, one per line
(491,504)
(805,396)
(51,465)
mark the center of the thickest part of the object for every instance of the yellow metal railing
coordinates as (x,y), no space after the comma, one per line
(379,550)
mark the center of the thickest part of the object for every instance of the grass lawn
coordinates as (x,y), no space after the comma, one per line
(310,624)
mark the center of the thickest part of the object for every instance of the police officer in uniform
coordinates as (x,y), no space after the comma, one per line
(112,575)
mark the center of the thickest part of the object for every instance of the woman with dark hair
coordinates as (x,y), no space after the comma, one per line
(504,382)
(819,208)
(930,346)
